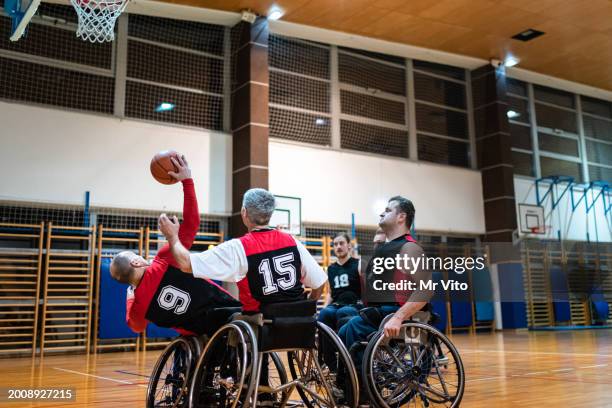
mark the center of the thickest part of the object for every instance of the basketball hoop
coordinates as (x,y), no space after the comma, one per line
(97,18)
(538,229)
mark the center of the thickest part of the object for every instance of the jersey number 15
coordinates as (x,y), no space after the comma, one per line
(285,275)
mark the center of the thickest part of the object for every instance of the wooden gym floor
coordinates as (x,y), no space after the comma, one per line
(522,369)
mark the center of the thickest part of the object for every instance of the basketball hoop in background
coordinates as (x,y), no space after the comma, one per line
(97,18)
(538,230)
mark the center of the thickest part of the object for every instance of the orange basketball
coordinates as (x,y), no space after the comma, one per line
(161,165)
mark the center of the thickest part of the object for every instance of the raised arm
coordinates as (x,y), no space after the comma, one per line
(191,214)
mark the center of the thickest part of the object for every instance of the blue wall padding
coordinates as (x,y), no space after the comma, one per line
(438,302)
(558,289)
(601,308)
(461,314)
(461,304)
(155,331)
(484,311)
(483,295)
(112,306)
(514,313)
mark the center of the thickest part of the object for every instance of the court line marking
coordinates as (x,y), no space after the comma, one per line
(595,366)
(98,376)
(547,353)
(486,378)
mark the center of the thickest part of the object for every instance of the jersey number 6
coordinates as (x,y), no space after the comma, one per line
(282,266)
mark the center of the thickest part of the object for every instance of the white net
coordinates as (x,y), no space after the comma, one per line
(97,18)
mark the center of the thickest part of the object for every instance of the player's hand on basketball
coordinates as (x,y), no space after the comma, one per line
(393,326)
(183,171)
(169,226)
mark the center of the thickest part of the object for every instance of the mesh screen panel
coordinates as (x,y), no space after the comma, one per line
(300,92)
(554,96)
(443,151)
(441,121)
(520,107)
(191,109)
(556,167)
(371,74)
(300,127)
(375,55)
(520,136)
(54,86)
(188,34)
(439,69)
(556,144)
(597,128)
(599,152)
(439,91)
(600,173)
(373,139)
(523,164)
(372,107)
(16,212)
(174,67)
(554,118)
(516,87)
(57,43)
(298,56)
(596,106)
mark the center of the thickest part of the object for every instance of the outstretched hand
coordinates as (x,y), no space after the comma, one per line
(183,171)
(169,227)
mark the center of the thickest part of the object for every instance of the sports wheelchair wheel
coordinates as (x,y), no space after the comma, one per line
(327,372)
(222,375)
(169,381)
(421,368)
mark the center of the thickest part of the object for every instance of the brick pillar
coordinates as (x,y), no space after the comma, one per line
(250,117)
(493,147)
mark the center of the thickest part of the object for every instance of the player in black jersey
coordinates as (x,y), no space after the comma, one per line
(344,297)
(395,222)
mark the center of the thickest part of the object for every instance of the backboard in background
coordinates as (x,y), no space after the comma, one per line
(20,12)
(531,218)
(288,214)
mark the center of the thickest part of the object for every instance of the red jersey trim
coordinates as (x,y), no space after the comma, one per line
(256,242)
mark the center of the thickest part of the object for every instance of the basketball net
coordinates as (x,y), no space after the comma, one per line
(97,18)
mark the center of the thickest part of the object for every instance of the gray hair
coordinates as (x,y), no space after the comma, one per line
(259,205)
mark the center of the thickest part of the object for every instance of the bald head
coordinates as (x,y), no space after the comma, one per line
(124,265)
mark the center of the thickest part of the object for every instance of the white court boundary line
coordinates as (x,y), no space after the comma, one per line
(547,353)
(99,376)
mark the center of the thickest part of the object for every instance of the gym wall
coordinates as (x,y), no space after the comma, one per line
(109,157)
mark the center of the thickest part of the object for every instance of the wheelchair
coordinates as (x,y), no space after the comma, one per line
(240,367)
(169,381)
(419,368)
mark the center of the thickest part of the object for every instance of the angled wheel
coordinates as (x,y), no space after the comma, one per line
(222,375)
(421,369)
(168,384)
(327,373)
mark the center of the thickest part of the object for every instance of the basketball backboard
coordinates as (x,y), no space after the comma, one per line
(288,214)
(20,12)
(531,218)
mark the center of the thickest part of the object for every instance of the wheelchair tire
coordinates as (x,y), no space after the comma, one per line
(412,377)
(222,374)
(334,363)
(174,384)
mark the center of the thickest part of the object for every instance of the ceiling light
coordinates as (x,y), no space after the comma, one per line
(164,107)
(275,13)
(320,121)
(512,114)
(511,61)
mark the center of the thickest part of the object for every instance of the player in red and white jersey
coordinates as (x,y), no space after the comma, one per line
(269,265)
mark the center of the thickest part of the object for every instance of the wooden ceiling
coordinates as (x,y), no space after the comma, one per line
(577,45)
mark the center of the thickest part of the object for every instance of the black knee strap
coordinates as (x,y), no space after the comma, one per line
(371,315)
